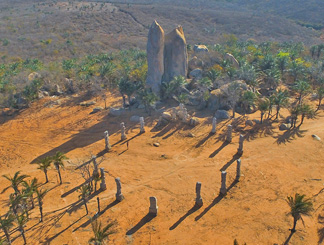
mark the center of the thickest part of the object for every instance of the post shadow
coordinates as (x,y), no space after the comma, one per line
(229,163)
(147,218)
(97,215)
(190,211)
(75,188)
(202,141)
(225,143)
(216,200)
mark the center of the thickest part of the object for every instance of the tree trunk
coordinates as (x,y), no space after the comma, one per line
(294,227)
(7,235)
(41,211)
(277,113)
(45,172)
(233,111)
(23,234)
(302,120)
(262,117)
(319,104)
(32,201)
(124,101)
(85,205)
(59,173)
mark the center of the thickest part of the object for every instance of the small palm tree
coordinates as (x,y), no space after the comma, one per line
(280,99)
(15,202)
(248,100)
(15,181)
(85,191)
(96,179)
(40,193)
(58,162)
(305,111)
(101,234)
(21,222)
(299,206)
(302,88)
(6,224)
(44,165)
(30,188)
(263,106)
(320,95)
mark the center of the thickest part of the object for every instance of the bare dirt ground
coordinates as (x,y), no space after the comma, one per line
(275,164)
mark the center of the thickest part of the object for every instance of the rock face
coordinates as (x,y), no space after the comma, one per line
(232,59)
(175,55)
(155,57)
(196,73)
(200,48)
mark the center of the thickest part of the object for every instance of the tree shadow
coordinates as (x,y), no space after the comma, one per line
(229,163)
(88,222)
(260,130)
(75,206)
(147,218)
(75,188)
(84,138)
(216,200)
(290,135)
(50,239)
(288,239)
(190,211)
(225,143)
(320,231)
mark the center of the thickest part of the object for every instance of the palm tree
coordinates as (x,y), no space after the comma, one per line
(302,88)
(298,207)
(15,181)
(280,99)
(96,179)
(305,111)
(263,106)
(40,193)
(30,188)
(320,95)
(85,191)
(294,113)
(58,162)
(5,224)
(21,222)
(16,201)
(44,165)
(101,233)
(248,100)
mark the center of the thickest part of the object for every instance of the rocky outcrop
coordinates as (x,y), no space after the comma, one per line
(200,48)
(195,63)
(155,57)
(175,55)
(232,59)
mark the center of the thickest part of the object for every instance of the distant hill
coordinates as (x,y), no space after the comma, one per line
(54,30)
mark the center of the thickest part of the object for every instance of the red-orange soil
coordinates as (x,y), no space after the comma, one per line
(274,165)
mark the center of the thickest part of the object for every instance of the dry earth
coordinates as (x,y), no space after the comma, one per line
(275,164)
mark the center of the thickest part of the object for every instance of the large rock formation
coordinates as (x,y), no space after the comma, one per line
(175,55)
(155,60)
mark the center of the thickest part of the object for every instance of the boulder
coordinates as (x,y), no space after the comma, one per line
(200,48)
(195,63)
(175,55)
(155,57)
(196,73)
(156,144)
(42,94)
(96,109)
(57,90)
(135,119)
(232,59)
(34,75)
(315,137)
(167,116)
(116,112)
(222,114)
(194,121)
(87,103)
(284,126)
(249,123)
